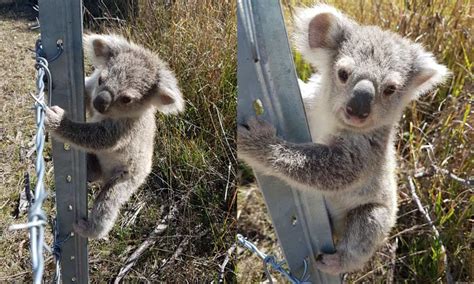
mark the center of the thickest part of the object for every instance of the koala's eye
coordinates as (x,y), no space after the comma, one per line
(343,75)
(125,100)
(101,80)
(389,90)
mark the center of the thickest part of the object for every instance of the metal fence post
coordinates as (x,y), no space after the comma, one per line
(266,72)
(61,21)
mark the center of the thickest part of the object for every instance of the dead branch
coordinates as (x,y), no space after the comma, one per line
(469,182)
(436,169)
(109,19)
(393,261)
(411,229)
(184,243)
(230,251)
(431,156)
(152,238)
(416,199)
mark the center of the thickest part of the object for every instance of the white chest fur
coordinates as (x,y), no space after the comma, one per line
(321,121)
(323,126)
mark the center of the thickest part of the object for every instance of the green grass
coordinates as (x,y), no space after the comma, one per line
(442,119)
(194,152)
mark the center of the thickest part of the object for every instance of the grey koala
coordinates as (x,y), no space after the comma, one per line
(366,77)
(129,84)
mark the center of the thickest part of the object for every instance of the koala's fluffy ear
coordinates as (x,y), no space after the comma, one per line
(427,73)
(319,31)
(100,48)
(166,94)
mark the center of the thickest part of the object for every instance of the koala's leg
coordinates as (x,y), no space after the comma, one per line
(367,227)
(94,171)
(105,209)
(119,174)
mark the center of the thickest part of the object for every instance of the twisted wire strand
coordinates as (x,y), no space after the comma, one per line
(270,260)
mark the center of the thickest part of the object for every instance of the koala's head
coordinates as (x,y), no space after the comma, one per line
(369,75)
(129,79)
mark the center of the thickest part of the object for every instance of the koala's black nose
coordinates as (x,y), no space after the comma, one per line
(102,101)
(362,96)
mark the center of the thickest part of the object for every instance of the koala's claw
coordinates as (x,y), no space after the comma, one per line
(86,229)
(256,130)
(259,127)
(119,174)
(253,140)
(54,116)
(81,227)
(330,263)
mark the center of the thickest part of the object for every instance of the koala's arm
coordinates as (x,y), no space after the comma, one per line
(91,137)
(328,167)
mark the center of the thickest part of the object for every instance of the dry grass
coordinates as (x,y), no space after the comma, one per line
(441,121)
(194,154)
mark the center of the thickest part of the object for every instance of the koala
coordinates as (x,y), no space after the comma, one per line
(365,78)
(128,85)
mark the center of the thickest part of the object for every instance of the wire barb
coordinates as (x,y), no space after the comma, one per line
(270,260)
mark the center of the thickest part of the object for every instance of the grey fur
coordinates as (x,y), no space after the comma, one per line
(351,160)
(119,138)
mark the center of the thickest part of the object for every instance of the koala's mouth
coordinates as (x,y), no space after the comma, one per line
(354,122)
(100,110)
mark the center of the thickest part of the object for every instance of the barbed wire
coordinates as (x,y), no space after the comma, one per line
(37,219)
(270,260)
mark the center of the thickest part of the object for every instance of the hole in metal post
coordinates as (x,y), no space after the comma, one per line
(67,147)
(294,220)
(68,178)
(258,107)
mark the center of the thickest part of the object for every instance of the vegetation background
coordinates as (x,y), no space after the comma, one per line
(194,159)
(435,150)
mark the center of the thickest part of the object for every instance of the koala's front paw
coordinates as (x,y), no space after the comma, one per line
(87,229)
(330,263)
(54,116)
(119,174)
(254,136)
(83,228)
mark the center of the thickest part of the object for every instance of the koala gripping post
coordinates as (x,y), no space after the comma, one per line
(61,24)
(268,86)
